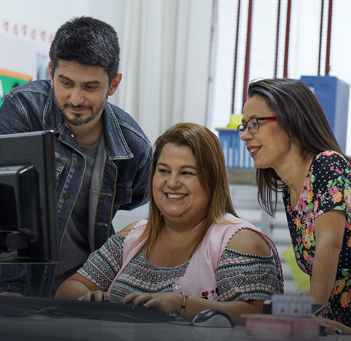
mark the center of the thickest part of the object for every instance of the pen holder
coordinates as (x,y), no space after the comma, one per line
(292,306)
(277,328)
(289,319)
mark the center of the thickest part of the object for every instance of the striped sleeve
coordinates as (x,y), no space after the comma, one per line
(243,277)
(103,265)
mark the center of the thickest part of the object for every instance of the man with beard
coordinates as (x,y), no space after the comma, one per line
(102,156)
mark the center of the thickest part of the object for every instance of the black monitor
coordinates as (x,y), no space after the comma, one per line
(28,209)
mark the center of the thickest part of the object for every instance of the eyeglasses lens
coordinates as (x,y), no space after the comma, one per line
(240,129)
(252,125)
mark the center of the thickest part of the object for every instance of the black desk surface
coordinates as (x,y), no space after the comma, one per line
(39,325)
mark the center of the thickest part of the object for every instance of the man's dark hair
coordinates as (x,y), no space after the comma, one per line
(87,41)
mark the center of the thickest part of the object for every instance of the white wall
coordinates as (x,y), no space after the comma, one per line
(28,27)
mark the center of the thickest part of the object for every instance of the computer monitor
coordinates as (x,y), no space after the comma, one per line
(28,209)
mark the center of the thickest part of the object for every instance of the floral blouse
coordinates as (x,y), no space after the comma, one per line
(327,187)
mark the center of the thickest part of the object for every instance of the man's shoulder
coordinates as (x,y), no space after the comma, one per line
(121,115)
(26,106)
(38,86)
(127,123)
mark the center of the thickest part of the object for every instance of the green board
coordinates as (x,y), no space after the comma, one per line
(7,83)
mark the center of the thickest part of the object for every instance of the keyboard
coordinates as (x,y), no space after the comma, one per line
(12,306)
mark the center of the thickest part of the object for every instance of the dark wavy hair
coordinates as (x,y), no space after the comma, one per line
(87,41)
(302,118)
(210,165)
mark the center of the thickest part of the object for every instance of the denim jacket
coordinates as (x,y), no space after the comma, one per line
(128,155)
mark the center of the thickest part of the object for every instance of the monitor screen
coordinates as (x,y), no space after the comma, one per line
(28,209)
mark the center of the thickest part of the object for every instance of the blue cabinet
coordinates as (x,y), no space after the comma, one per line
(333,95)
(235,153)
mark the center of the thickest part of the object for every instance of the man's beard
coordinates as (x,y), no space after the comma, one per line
(77,121)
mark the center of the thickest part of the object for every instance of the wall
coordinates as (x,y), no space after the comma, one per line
(27,32)
(159,87)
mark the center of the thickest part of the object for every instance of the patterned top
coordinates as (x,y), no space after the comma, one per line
(253,277)
(327,187)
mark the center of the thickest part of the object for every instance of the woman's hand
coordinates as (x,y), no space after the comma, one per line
(170,302)
(6,293)
(97,296)
(80,288)
(333,327)
(166,302)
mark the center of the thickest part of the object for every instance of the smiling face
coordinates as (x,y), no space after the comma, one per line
(177,190)
(270,147)
(81,91)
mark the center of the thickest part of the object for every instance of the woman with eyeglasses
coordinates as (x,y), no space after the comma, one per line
(295,152)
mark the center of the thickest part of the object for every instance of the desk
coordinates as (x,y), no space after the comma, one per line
(41,319)
(37,328)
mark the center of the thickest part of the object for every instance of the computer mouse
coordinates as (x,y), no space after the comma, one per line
(212,318)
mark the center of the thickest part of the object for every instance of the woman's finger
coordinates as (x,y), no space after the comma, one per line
(87,296)
(143,299)
(106,297)
(130,298)
(332,330)
(97,296)
(164,302)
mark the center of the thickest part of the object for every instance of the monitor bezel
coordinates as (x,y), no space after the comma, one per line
(36,148)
